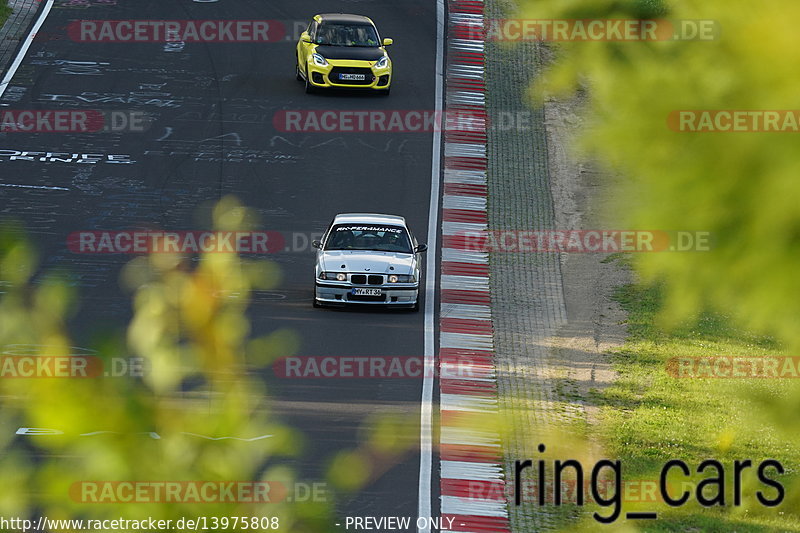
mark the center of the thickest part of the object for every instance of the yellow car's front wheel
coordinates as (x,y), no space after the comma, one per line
(309,86)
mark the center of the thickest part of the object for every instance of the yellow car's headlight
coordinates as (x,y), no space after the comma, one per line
(319,60)
(382,62)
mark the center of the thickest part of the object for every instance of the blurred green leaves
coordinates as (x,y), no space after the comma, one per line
(742,187)
(197,414)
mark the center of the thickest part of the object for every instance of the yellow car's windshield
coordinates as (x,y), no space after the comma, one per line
(347,35)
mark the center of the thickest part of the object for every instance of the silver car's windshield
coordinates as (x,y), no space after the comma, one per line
(374,237)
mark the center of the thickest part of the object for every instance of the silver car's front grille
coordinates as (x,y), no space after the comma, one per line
(364,279)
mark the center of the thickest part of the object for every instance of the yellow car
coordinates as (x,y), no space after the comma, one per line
(343,51)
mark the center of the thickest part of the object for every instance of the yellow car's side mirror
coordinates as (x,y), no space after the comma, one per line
(305,37)
(387,42)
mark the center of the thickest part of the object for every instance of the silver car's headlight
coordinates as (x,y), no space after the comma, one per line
(319,60)
(402,278)
(338,276)
(382,62)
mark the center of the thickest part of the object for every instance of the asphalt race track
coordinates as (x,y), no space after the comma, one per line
(212,134)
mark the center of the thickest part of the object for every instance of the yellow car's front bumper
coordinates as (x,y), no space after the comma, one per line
(349,74)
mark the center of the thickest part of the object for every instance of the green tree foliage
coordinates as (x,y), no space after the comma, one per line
(742,187)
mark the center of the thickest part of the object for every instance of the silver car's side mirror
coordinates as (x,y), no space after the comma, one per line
(316,244)
(422,248)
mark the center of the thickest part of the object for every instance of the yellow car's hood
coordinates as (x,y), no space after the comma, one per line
(350,53)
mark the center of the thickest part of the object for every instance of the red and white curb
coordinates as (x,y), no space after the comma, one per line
(472,480)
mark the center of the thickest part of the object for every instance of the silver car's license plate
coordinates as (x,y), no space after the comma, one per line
(367,292)
(352,77)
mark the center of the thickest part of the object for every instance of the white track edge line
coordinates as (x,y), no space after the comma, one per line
(24,50)
(426,408)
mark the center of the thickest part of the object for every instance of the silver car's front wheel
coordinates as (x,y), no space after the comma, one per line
(314,300)
(416,307)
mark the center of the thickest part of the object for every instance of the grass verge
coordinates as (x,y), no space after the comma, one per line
(5,12)
(649,416)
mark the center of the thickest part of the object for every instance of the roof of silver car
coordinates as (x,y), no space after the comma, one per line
(368,218)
